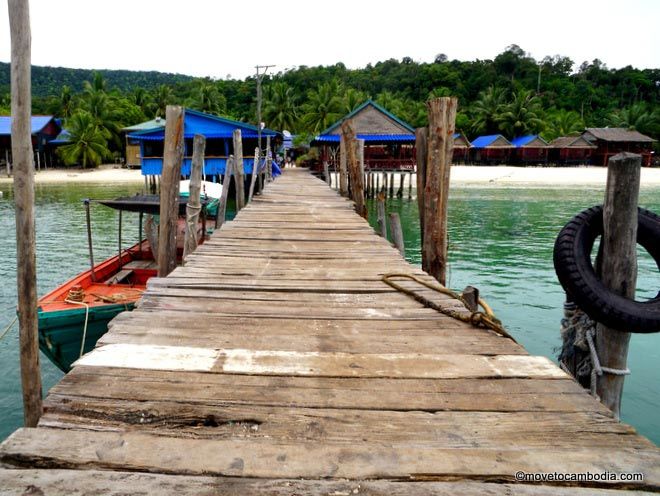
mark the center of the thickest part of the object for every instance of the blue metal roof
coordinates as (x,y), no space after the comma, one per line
(521,141)
(377,107)
(484,141)
(38,123)
(211,126)
(334,138)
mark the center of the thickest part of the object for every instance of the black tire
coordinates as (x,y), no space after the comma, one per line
(572,259)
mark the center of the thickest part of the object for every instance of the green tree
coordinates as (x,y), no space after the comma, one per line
(352,99)
(207,98)
(638,117)
(161,97)
(562,122)
(279,110)
(486,111)
(323,107)
(88,143)
(524,115)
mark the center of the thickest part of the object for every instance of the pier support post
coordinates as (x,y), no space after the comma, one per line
(239,171)
(326,174)
(397,232)
(390,180)
(255,172)
(380,209)
(410,174)
(169,189)
(226,183)
(194,204)
(356,176)
(618,267)
(421,140)
(26,266)
(343,172)
(442,117)
(269,160)
(399,192)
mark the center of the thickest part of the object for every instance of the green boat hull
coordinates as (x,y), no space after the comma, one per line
(61,332)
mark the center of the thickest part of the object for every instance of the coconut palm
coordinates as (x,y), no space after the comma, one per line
(323,107)
(207,98)
(66,103)
(102,109)
(637,117)
(88,142)
(161,97)
(279,109)
(562,123)
(352,99)
(524,115)
(486,110)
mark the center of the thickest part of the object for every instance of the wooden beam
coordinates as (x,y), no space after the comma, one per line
(239,171)
(442,117)
(194,204)
(169,189)
(26,260)
(618,267)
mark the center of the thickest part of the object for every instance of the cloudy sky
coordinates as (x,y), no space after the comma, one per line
(220,38)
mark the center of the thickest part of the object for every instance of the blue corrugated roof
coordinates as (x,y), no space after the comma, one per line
(484,141)
(211,126)
(38,123)
(377,107)
(334,138)
(521,141)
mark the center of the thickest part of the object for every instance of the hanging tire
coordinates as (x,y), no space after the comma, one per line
(572,259)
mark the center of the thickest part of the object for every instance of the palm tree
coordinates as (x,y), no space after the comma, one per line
(88,143)
(102,110)
(353,99)
(66,102)
(323,107)
(280,110)
(207,98)
(161,97)
(486,110)
(639,118)
(141,98)
(562,123)
(523,115)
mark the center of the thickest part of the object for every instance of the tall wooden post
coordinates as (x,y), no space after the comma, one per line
(390,180)
(355,174)
(399,192)
(26,260)
(343,172)
(269,161)
(618,267)
(397,232)
(239,171)
(255,172)
(421,143)
(442,117)
(169,189)
(226,183)
(194,204)
(326,173)
(380,212)
(7,163)
(410,174)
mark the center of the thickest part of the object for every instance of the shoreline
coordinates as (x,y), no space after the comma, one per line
(464,175)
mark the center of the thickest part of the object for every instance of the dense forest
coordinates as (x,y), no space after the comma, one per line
(513,94)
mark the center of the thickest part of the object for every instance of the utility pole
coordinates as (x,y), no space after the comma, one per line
(260,77)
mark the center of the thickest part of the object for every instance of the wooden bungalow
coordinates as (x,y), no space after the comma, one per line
(612,140)
(491,149)
(570,150)
(45,128)
(530,149)
(132,152)
(389,141)
(461,149)
(219,143)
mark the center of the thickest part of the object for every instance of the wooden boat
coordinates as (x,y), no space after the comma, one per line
(76,314)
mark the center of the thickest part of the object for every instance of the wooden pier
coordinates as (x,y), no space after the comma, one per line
(278,362)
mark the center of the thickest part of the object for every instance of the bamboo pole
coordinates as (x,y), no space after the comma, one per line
(238,170)
(26,261)
(194,204)
(442,116)
(226,183)
(396,232)
(169,189)
(618,267)
(421,140)
(343,172)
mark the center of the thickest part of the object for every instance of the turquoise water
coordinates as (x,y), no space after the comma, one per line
(500,241)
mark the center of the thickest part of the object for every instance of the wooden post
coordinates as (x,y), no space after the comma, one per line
(26,261)
(442,117)
(343,172)
(399,192)
(355,173)
(194,204)
(255,172)
(238,170)
(470,297)
(7,163)
(169,189)
(377,189)
(421,140)
(410,174)
(390,180)
(380,208)
(226,183)
(618,267)
(396,232)
(38,162)
(269,160)
(326,173)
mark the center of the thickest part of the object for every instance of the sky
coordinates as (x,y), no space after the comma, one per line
(228,38)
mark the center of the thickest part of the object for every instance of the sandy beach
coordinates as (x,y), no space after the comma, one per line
(460,175)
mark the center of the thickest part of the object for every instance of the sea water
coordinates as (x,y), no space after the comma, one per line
(500,241)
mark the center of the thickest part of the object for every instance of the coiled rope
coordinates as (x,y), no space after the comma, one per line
(485,319)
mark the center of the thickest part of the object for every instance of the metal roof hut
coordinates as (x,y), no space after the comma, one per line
(218,132)
(44,128)
(570,150)
(530,149)
(133,145)
(612,140)
(491,149)
(461,149)
(389,142)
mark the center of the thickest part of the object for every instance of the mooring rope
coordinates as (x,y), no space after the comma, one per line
(485,319)
(8,328)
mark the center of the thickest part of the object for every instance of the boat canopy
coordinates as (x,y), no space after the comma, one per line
(148,204)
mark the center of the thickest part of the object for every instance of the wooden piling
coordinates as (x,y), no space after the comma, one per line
(255,172)
(377,188)
(26,261)
(343,170)
(238,170)
(169,189)
(354,170)
(194,204)
(226,183)
(390,180)
(399,192)
(380,209)
(385,178)
(421,143)
(442,116)
(410,174)
(269,161)
(618,267)
(396,232)
(326,174)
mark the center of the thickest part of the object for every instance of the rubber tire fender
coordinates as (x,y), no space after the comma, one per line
(572,260)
